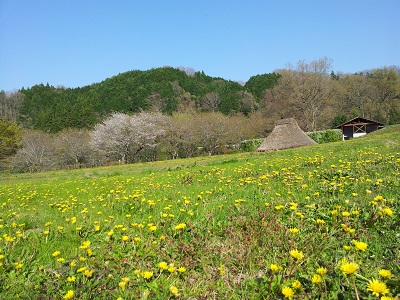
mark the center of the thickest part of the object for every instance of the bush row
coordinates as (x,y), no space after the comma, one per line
(326,136)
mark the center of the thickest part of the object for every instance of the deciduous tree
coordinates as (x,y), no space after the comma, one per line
(124,135)
(10,104)
(385,92)
(36,153)
(306,89)
(72,148)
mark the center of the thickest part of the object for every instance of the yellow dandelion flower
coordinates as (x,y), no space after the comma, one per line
(349,268)
(360,245)
(181,269)
(296,254)
(222,270)
(180,226)
(287,292)
(316,279)
(81,270)
(274,268)
(387,211)
(320,222)
(56,253)
(18,265)
(385,273)
(71,279)
(321,271)
(69,295)
(377,288)
(125,238)
(147,274)
(293,230)
(85,245)
(171,268)
(88,273)
(296,285)
(122,284)
(163,265)
(174,290)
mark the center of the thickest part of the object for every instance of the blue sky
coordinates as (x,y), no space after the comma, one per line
(79,42)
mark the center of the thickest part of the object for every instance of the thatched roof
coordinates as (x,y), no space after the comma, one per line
(286,134)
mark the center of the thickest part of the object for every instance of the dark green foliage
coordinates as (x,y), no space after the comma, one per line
(339,119)
(257,85)
(52,109)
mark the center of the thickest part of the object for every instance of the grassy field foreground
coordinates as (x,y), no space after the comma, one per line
(315,222)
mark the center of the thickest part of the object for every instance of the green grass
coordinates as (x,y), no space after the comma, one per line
(238,214)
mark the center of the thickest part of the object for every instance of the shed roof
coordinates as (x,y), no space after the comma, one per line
(359,121)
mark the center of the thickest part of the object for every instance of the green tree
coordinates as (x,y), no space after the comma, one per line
(339,119)
(10,138)
(259,84)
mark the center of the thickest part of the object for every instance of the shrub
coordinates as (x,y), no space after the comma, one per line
(251,145)
(326,136)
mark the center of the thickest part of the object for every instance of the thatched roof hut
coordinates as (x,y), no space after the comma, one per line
(286,134)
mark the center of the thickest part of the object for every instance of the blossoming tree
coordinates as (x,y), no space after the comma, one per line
(124,136)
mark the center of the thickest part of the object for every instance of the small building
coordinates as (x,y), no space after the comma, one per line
(286,134)
(358,127)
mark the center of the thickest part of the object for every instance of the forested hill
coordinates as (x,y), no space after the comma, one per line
(164,89)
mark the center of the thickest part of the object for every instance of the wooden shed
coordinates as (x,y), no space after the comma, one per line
(358,127)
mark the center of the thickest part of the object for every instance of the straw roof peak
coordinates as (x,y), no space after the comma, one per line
(286,134)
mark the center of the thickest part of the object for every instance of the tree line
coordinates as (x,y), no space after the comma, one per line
(187,113)
(127,138)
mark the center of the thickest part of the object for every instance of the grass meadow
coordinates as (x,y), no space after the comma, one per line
(319,222)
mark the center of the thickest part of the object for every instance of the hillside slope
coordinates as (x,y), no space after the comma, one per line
(165,89)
